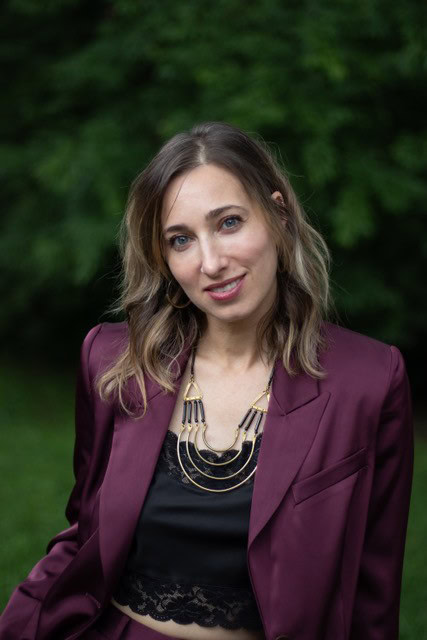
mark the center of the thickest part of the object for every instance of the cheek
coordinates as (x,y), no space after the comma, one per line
(260,248)
(182,271)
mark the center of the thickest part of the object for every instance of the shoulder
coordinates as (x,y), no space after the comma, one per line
(343,342)
(103,344)
(359,362)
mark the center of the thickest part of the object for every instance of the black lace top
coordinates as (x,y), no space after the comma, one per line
(188,558)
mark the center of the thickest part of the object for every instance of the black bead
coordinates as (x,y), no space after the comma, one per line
(250,419)
(258,422)
(244,419)
(202,410)
(184,411)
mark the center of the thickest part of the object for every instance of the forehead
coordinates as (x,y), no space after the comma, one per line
(201,189)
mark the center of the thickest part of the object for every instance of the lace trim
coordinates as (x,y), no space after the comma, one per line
(206,605)
(168,462)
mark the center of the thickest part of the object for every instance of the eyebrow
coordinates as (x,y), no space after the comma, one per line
(210,215)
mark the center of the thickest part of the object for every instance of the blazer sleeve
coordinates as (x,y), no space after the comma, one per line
(19,618)
(377,602)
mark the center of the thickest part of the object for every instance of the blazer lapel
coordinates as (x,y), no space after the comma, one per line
(135,448)
(294,413)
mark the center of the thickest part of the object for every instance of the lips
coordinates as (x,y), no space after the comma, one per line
(223,283)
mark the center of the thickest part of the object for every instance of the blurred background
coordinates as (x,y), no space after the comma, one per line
(90,92)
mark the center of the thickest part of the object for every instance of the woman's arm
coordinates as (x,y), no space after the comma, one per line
(377,601)
(19,619)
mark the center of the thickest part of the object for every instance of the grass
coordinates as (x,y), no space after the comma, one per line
(37,435)
(413,612)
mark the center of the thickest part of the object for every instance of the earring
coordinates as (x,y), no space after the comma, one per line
(182,306)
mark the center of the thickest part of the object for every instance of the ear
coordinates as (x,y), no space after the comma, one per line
(279,198)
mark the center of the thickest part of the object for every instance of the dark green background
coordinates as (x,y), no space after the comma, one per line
(90,90)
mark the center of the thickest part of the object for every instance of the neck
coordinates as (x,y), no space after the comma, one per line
(234,349)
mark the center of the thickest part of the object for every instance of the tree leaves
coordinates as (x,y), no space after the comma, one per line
(93,90)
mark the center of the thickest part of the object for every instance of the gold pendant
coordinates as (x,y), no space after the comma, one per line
(218,450)
(206,474)
(255,406)
(216,464)
(199,394)
(199,485)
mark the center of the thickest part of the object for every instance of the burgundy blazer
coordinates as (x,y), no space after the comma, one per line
(329,509)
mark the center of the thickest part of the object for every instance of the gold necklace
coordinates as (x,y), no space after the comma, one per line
(193,405)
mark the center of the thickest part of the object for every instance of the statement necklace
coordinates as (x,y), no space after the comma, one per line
(193,406)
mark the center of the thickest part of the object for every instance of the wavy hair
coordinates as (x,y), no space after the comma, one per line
(158,331)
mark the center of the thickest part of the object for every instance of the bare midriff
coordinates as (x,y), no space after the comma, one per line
(191,631)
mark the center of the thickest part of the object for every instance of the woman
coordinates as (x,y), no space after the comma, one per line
(243,466)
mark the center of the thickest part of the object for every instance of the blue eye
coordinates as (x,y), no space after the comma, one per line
(172,241)
(181,245)
(231,218)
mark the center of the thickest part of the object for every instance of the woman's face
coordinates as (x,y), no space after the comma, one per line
(233,242)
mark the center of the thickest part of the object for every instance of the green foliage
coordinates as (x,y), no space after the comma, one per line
(338,88)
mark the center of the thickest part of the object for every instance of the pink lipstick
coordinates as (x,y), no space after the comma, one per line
(232,290)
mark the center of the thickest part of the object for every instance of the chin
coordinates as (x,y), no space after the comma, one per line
(235,316)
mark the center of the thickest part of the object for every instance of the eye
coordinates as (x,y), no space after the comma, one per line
(174,244)
(237,218)
(179,246)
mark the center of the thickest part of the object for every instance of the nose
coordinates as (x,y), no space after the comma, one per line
(212,259)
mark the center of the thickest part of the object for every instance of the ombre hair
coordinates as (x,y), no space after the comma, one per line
(291,329)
